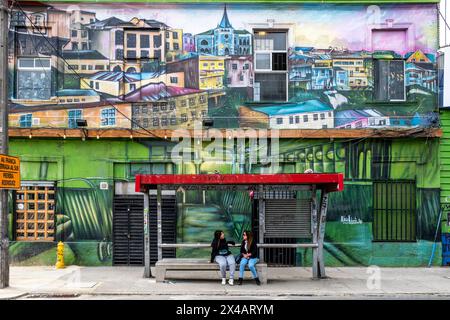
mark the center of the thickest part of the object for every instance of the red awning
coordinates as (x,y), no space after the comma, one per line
(330,181)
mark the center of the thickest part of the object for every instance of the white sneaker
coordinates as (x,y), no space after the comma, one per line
(231,282)
(224,281)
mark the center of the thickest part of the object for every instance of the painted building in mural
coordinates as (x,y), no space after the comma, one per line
(336,89)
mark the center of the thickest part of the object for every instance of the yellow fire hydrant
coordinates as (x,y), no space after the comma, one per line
(60,256)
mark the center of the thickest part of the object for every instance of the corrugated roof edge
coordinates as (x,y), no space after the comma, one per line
(245,1)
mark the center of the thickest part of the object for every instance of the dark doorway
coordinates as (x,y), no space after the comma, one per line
(128,229)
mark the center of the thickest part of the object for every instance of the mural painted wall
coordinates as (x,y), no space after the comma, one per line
(305,66)
(84,208)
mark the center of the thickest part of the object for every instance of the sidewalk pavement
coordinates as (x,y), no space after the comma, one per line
(291,283)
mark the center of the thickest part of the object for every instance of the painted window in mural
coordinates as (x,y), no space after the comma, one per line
(394,211)
(74,115)
(35,213)
(270,65)
(26,120)
(108,117)
(150,168)
(389,80)
(271,87)
(270,40)
(33,78)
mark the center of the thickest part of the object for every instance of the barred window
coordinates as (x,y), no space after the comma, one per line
(394,210)
(35,213)
(34,78)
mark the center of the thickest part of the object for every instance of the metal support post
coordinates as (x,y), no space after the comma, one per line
(314,232)
(262,222)
(159,220)
(147,269)
(4,242)
(321,233)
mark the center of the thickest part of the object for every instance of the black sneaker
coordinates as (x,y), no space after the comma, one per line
(257,281)
(239,281)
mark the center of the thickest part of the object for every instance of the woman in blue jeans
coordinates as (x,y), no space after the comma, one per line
(249,255)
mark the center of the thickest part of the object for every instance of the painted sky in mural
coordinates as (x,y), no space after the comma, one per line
(306,66)
(319,28)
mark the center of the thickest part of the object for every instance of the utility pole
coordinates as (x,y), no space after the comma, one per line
(4,243)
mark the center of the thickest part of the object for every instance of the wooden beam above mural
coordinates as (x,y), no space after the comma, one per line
(233,133)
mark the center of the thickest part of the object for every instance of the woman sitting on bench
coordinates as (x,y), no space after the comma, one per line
(223,256)
(249,254)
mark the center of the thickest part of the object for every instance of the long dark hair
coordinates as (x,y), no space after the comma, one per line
(217,234)
(249,237)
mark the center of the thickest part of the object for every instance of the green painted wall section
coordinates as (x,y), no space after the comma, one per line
(444,155)
(84,212)
(71,163)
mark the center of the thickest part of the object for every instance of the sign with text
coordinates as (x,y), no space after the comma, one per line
(9,172)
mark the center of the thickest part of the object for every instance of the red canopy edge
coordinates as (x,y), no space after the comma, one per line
(331,181)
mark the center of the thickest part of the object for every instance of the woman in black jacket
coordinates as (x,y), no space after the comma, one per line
(249,254)
(223,256)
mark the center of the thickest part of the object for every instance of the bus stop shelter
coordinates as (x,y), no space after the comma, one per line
(263,186)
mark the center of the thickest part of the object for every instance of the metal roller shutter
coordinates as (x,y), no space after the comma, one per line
(288,218)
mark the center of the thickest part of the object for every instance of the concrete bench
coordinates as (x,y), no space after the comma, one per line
(198,264)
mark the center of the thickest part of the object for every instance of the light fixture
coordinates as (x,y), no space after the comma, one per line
(30,136)
(208,122)
(64,136)
(131,136)
(81,123)
(98,137)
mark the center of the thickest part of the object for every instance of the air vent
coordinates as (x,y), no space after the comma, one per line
(103,185)
(36,121)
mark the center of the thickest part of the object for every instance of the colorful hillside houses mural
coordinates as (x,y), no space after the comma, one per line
(141,68)
(237,62)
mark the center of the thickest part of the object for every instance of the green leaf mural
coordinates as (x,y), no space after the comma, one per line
(89,211)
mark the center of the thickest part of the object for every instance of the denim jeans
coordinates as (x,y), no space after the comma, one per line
(251,265)
(223,261)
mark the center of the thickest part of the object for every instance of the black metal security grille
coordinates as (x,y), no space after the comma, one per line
(280,257)
(128,230)
(169,227)
(394,210)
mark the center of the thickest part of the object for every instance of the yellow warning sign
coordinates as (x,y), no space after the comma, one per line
(9,172)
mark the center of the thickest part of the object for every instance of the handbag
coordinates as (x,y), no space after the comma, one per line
(238,258)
